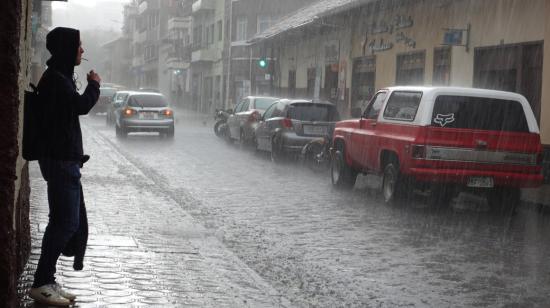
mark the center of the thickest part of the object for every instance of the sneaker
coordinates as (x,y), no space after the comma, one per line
(65,294)
(47,295)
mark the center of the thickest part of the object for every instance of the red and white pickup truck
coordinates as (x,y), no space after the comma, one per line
(442,139)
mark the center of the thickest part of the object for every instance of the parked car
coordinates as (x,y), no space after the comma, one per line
(118,99)
(144,112)
(105,96)
(243,120)
(289,124)
(442,139)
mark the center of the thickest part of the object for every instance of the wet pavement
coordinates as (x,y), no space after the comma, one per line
(197,222)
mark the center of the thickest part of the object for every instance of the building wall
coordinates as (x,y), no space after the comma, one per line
(14,181)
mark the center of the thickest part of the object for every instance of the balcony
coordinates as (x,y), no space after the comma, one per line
(205,55)
(203,5)
(179,23)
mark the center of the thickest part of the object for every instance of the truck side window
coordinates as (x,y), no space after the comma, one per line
(374,107)
(402,105)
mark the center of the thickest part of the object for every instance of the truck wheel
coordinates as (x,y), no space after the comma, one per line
(343,176)
(503,201)
(390,182)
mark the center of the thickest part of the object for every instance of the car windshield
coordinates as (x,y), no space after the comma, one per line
(263,103)
(147,101)
(120,97)
(313,112)
(479,113)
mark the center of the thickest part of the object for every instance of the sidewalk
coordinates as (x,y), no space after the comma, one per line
(143,249)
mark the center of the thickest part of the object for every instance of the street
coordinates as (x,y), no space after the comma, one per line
(320,247)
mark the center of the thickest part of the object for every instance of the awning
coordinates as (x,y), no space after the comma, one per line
(306,16)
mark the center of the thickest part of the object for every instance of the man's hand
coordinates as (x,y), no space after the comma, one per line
(93,76)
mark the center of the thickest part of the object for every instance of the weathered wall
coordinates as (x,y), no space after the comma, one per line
(14,188)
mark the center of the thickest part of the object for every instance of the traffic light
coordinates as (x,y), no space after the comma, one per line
(262,62)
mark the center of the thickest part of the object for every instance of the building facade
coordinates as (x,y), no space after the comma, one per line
(345,52)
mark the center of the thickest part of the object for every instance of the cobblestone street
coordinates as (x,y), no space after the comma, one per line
(195,221)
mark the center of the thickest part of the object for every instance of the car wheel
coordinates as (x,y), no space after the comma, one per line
(277,154)
(218,129)
(342,175)
(242,139)
(503,201)
(120,132)
(170,132)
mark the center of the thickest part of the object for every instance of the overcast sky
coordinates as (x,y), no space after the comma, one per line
(88,14)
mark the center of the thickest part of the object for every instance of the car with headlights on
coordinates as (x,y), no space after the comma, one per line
(144,112)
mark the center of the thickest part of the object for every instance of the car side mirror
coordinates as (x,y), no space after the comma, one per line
(356,112)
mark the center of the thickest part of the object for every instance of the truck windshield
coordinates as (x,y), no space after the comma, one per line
(479,113)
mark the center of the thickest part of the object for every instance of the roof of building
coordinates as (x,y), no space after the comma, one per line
(306,16)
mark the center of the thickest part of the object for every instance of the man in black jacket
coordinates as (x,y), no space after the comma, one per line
(61,155)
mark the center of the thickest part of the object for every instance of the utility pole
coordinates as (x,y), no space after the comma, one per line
(230,38)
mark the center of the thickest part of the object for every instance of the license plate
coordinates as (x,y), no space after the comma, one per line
(480,181)
(315,130)
(148,115)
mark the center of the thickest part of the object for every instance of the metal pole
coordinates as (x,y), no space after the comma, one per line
(227,81)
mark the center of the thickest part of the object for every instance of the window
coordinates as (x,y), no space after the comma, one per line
(410,68)
(263,103)
(264,22)
(211,40)
(220,30)
(442,66)
(239,107)
(402,105)
(242,24)
(245,105)
(374,107)
(269,111)
(147,101)
(479,113)
(313,112)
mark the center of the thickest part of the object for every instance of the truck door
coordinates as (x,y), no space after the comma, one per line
(361,139)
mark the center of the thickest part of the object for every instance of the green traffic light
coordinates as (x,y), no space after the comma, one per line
(262,63)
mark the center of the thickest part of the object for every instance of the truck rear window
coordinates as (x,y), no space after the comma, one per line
(313,112)
(479,113)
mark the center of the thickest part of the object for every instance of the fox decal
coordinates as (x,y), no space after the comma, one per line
(444,119)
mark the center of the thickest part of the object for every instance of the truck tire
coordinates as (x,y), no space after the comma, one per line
(390,182)
(342,175)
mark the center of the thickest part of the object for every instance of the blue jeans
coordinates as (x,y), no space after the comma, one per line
(63,179)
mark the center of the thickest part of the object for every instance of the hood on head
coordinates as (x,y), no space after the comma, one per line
(63,44)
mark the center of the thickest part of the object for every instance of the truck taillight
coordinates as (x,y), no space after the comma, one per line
(418,151)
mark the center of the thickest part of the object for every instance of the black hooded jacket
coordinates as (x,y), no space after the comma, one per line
(61,105)
(61,134)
